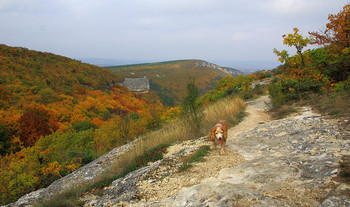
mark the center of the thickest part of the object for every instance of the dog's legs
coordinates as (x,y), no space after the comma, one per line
(222,152)
(214,145)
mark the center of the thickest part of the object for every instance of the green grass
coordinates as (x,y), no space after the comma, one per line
(196,157)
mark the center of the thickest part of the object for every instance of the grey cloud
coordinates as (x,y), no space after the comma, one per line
(230,30)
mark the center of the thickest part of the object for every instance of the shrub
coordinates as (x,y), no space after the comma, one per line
(229,86)
(259,89)
(275,79)
(83,125)
(191,107)
(105,114)
(289,89)
(342,86)
(46,95)
(268,75)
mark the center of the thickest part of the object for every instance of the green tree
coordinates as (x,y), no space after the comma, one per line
(336,42)
(293,39)
(191,106)
(4,140)
(46,95)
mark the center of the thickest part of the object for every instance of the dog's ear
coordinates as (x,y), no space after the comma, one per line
(225,131)
(225,134)
(212,134)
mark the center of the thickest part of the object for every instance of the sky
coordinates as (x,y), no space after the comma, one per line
(232,33)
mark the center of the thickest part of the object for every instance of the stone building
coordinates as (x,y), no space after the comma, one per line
(137,85)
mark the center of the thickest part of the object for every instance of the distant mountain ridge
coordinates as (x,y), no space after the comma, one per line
(231,71)
(169,78)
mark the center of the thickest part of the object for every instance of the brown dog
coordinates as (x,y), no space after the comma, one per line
(219,132)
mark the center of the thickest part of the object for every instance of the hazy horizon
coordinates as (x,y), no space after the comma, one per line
(238,34)
(244,66)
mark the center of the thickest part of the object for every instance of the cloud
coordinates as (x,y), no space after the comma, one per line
(160,29)
(240,37)
(302,7)
(20,5)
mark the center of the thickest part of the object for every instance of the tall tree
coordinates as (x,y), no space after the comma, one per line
(4,140)
(337,30)
(294,40)
(336,40)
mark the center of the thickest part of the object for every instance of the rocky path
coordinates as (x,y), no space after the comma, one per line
(288,162)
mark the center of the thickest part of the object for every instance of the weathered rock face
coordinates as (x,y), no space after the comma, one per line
(290,162)
(138,85)
(133,188)
(83,175)
(230,71)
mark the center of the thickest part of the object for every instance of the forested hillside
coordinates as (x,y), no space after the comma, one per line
(58,114)
(169,79)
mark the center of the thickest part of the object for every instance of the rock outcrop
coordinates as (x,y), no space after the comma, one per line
(83,175)
(137,85)
(288,162)
(230,71)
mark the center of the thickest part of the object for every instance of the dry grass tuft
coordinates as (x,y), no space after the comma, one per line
(282,111)
(230,109)
(336,104)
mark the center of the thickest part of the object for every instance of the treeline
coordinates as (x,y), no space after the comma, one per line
(58,114)
(321,70)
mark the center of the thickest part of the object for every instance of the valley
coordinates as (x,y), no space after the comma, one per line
(169,79)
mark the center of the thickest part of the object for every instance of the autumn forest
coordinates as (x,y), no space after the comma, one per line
(58,114)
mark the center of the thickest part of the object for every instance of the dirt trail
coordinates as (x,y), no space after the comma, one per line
(287,162)
(214,162)
(256,114)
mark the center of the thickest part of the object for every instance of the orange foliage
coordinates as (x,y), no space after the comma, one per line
(42,97)
(32,128)
(97,121)
(337,32)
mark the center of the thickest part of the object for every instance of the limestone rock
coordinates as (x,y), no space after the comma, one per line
(290,162)
(138,85)
(230,71)
(85,174)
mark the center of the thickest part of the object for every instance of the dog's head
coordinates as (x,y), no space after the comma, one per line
(219,134)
